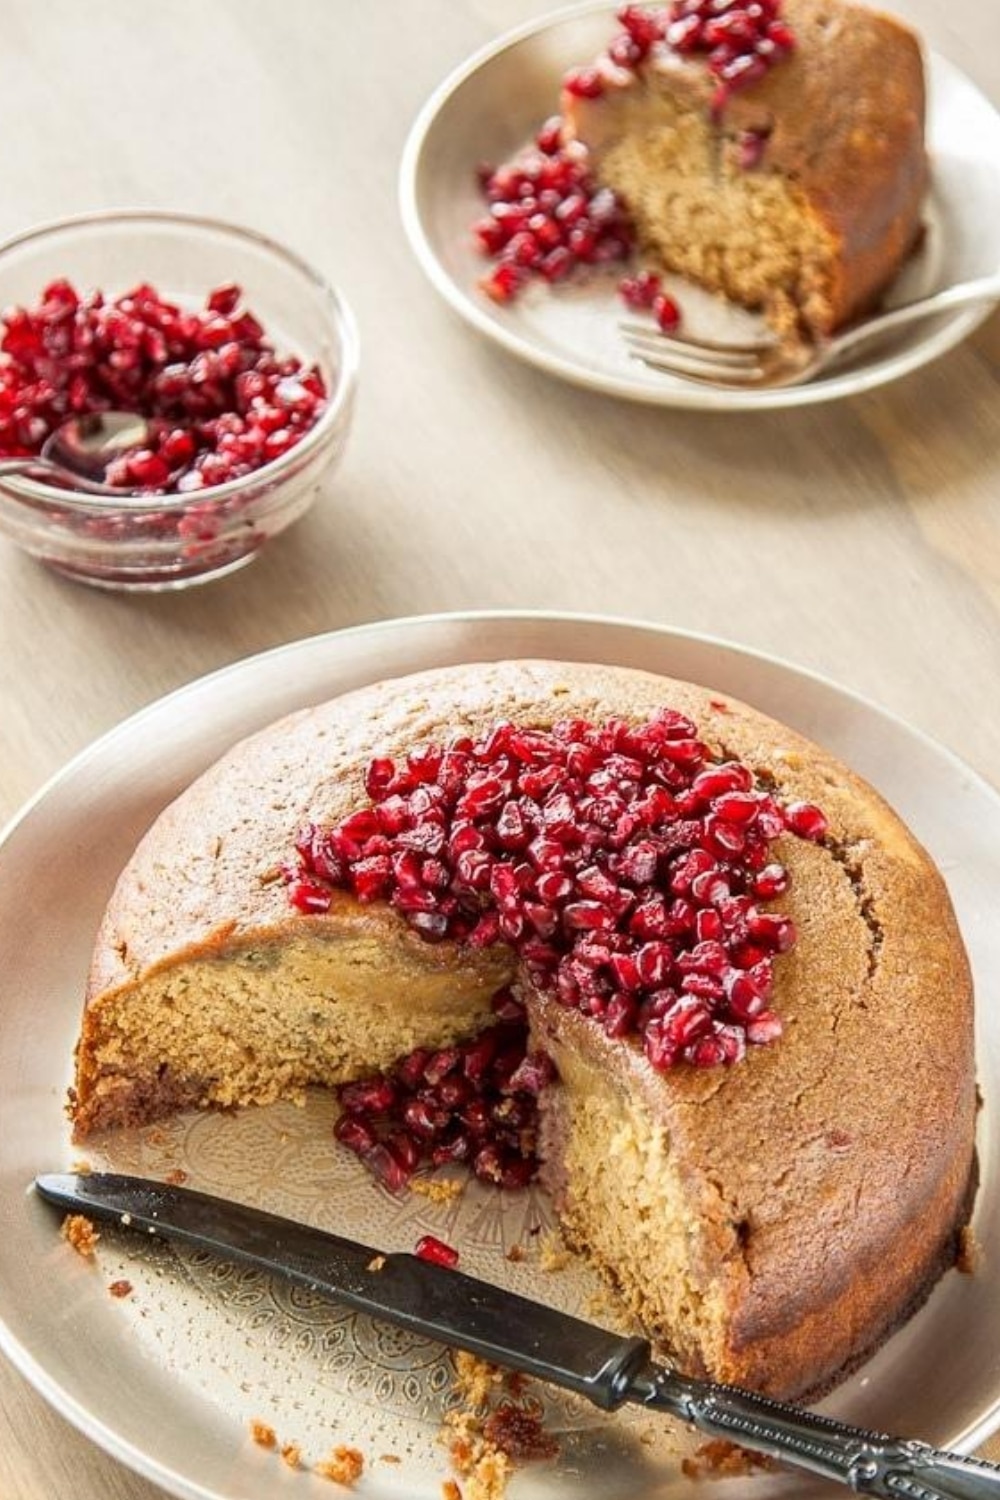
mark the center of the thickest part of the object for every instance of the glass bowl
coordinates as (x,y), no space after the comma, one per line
(172,541)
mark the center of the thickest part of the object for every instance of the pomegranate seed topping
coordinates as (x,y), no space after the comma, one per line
(436,1251)
(219,403)
(636,905)
(807,821)
(741,42)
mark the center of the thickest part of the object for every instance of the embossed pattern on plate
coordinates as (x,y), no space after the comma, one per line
(200,1348)
(491,106)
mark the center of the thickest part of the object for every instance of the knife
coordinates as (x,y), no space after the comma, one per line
(506,1329)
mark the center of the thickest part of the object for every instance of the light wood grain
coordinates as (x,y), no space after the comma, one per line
(861,539)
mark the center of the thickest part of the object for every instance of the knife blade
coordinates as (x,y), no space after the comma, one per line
(507,1329)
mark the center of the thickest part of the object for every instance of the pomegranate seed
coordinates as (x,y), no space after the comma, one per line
(807,821)
(640,292)
(771,881)
(667,313)
(436,1251)
(372,1096)
(354,1134)
(549,137)
(584,83)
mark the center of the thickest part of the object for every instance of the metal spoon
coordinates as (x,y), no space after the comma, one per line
(81,449)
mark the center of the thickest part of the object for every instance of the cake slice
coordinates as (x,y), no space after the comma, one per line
(771,150)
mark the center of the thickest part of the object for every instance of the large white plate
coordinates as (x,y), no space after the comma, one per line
(492,105)
(169,1378)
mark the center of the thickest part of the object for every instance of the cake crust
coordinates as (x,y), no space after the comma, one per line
(822,1180)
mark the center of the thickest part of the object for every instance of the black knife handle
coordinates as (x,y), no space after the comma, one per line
(869,1463)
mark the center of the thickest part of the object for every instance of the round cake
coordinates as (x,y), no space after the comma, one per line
(771,151)
(741,972)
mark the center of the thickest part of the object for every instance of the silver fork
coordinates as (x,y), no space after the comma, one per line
(767,363)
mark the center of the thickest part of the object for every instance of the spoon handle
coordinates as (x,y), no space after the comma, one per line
(73,482)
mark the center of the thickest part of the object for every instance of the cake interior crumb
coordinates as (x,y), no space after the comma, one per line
(79,1232)
(437,1189)
(552,1253)
(344,1466)
(721,1459)
(262,1433)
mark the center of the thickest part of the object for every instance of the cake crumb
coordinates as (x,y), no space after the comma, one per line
(721,1459)
(969,1255)
(120,1288)
(483,1443)
(344,1466)
(552,1253)
(389,1458)
(515,1253)
(292,1455)
(262,1433)
(450,1490)
(474,1378)
(177,1177)
(376,1263)
(438,1189)
(82,1168)
(486,1469)
(79,1232)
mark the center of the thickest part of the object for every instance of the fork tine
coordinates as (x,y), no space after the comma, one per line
(713,368)
(713,346)
(657,348)
(703,374)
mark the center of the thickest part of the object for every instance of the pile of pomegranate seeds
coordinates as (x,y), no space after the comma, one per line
(624,867)
(223,403)
(475,1103)
(741,40)
(547,217)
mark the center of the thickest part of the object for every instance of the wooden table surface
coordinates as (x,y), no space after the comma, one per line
(860,538)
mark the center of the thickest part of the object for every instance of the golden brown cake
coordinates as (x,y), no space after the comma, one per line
(771,1217)
(779,161)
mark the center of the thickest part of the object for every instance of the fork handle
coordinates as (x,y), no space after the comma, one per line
(985,289)
(869,1463)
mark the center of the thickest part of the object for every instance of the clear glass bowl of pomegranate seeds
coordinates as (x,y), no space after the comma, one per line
(242,355)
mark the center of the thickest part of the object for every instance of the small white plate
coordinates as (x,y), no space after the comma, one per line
(169,1378)
(492,105)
